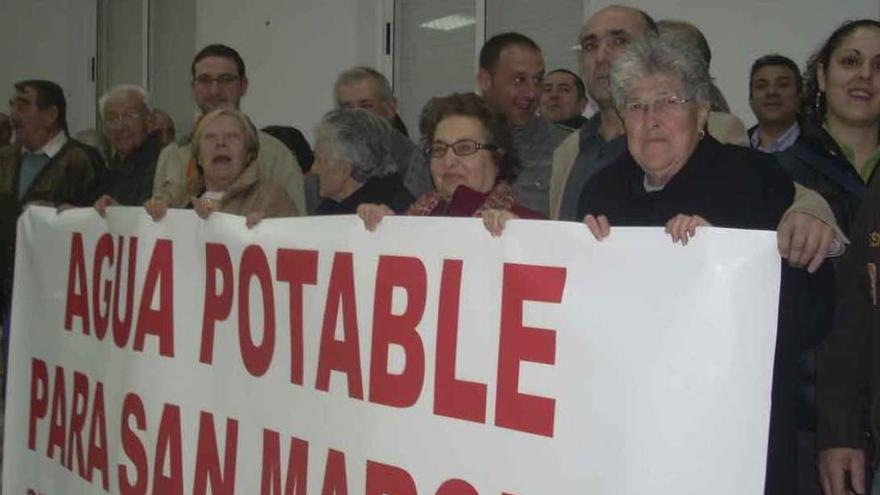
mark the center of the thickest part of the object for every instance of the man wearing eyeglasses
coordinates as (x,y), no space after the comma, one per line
(128,120)
(219,80)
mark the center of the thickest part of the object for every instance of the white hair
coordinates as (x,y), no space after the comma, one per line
(122,91)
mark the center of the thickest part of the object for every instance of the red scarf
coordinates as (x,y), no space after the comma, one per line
(501,197)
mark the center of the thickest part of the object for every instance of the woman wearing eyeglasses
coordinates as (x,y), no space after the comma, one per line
(676,175)
(472,165)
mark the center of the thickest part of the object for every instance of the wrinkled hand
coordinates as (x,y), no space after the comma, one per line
(372,214)
(598,226)
(204,207)
(102,203)
(804,240)
(253,218)
(682,227)
(157,208)
(833,466)
(494,220)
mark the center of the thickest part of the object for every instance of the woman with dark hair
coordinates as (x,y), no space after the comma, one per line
(837,152)
(843,88)
(472,165)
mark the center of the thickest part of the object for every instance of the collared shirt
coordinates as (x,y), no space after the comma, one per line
(866,169)
(785,140)
(594,154)
(51,148)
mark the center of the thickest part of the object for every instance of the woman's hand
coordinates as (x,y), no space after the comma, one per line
(372,214)
(102,203)
(156,207)
(253,218)
(494,220)
(204,207)
(598,225)
(682,227)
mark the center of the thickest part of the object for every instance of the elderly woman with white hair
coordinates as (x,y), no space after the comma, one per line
(675,174)
(225,147)
(354,164)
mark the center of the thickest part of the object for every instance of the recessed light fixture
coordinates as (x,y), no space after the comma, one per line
(450,22)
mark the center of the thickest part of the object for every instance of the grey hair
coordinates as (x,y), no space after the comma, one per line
(118,92)
(359,137)
(664,55)
(358,74)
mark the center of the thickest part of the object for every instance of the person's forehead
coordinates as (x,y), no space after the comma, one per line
(559,78)
(773,72)
(362,89)
(865,39)
(216,65)
(612,20)
(124,103)
(520,58)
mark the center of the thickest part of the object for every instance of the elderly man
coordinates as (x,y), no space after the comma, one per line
(135,147)
(5,129)
(368,89)
(219,80)
(43,166)
(775,86)
(806,232)
(564,99)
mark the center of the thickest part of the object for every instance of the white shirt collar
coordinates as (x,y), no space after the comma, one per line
(52,147)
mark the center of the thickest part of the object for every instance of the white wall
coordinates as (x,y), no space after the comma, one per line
(50,39)
(740,31)
(293,51)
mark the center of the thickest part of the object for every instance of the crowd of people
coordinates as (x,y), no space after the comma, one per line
(662,149)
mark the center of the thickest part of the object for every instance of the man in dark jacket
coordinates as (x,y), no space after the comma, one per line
(43,166)
(135,149)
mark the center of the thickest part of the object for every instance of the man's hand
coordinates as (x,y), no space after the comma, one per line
(835,463)
(804,240)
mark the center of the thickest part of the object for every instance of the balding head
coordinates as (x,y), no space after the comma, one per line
(686,32)
(602,38)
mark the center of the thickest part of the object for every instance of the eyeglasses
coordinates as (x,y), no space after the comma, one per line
(661,106)
(462,147)
(122,119)
(223,79)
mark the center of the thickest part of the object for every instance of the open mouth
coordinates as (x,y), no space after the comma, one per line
(222,159)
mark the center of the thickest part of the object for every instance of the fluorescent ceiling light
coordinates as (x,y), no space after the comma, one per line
(450,22)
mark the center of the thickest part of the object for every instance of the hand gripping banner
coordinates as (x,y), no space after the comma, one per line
(309,356)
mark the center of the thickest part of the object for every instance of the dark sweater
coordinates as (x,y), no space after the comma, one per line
(388,190)
(848,388)
(735,187)
(130,180)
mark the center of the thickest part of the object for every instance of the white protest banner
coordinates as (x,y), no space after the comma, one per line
(310,356)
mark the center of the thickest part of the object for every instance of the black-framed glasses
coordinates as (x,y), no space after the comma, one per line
(462,147)
(222,79)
